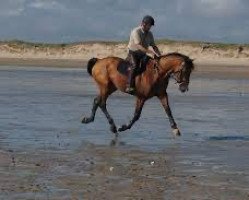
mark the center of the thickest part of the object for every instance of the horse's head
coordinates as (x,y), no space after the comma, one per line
(182,74)
(181,67)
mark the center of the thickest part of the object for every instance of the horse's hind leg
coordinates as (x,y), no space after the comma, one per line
(102,105)
(96,103)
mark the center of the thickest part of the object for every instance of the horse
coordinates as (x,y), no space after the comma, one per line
(153,81)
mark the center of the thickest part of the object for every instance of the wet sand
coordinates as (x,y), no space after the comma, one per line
(46,153)
(43,62)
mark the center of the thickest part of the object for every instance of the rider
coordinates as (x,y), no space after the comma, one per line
(141,39)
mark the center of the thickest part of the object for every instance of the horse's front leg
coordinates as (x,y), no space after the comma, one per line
(165,103)
(137,113)
(96,103)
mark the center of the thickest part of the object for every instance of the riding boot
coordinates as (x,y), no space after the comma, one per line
(131,82)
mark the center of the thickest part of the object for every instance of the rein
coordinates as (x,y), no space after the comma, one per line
(179,79)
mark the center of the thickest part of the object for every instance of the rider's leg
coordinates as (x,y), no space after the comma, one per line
(131,78)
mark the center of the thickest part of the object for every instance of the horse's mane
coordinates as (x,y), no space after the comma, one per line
(186,59)
(177,54)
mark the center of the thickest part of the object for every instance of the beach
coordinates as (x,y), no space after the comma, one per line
(46,153)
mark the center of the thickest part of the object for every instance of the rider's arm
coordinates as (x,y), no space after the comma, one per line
(138,41)
(155,48)
(153,45)
(141,48)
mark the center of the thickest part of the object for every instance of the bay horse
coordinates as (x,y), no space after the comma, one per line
(152,82)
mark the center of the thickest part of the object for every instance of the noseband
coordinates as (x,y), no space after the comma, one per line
(179,81)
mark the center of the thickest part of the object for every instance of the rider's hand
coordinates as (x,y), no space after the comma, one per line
(151,52)
(155,55)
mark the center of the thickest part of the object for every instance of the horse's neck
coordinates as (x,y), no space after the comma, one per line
(152,72)
(166,67)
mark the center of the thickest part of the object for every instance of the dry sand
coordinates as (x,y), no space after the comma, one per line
(75,55)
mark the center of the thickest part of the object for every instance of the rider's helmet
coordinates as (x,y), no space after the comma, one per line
(148,20)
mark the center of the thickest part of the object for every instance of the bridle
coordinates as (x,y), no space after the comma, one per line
(179,74)
(175,75)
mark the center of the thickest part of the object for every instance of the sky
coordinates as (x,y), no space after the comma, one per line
(63,21)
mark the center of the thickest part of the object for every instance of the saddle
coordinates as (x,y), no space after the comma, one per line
(125,66)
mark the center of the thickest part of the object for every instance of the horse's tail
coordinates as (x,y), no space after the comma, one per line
(90,65)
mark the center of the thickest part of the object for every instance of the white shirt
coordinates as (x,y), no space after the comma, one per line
(138,36)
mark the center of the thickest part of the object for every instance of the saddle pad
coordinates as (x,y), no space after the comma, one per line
(124,68)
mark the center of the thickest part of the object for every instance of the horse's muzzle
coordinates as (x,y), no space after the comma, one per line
(183,86)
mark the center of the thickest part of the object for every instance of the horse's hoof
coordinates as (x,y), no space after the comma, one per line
(176,132)
(122,128)
(113,129)
(113,143)
(83,120)
(86,120)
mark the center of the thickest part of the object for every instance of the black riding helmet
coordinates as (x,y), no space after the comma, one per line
(148,20)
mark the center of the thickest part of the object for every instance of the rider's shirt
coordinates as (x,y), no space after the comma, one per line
(138,36)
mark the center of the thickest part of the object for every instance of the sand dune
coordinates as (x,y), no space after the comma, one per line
(201,52)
